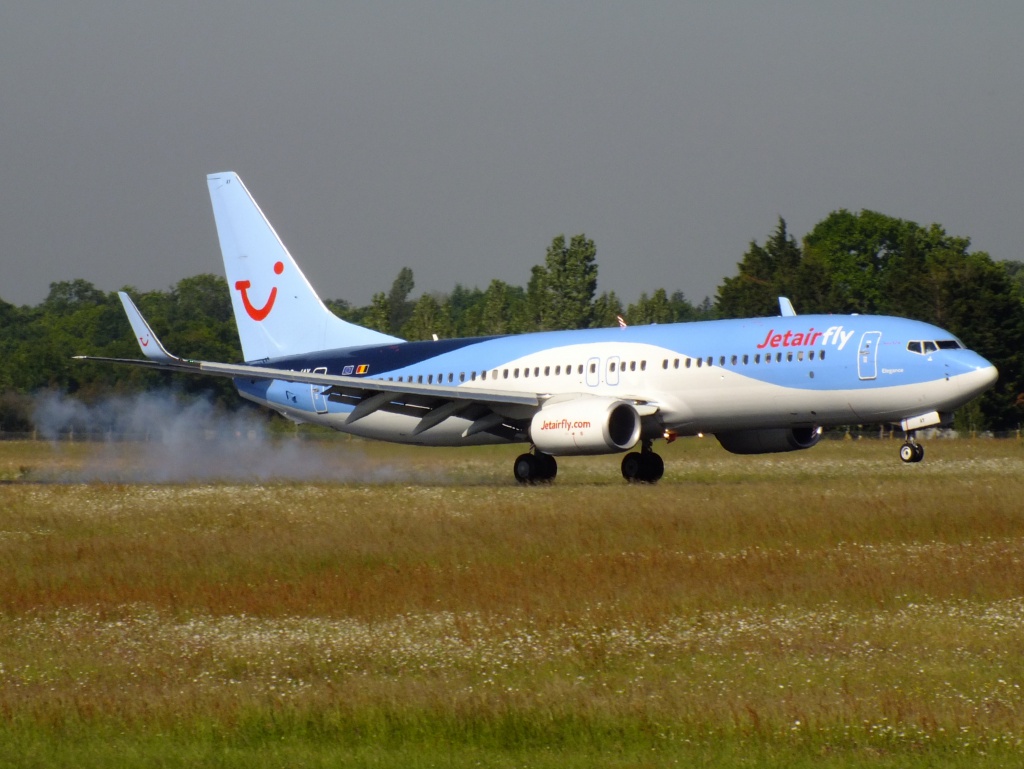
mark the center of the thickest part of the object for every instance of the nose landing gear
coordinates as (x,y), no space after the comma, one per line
(911,451)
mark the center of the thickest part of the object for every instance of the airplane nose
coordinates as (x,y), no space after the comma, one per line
(990,374)
(983,376)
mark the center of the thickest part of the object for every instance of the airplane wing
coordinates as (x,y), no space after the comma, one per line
(488,409)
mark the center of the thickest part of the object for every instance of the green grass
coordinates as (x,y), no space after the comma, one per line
(824,608)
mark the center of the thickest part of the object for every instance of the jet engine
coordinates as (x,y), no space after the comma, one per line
(585,426)
(769,440)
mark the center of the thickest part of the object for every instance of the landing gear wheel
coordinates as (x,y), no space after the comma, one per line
(907,452)
(655,467)
(911,452)
(525,468)
(534,468)
(643,467)
(547,467)
(631,466)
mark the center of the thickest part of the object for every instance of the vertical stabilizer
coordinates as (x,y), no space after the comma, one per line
(276,309)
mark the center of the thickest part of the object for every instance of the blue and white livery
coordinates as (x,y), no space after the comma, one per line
(759,385)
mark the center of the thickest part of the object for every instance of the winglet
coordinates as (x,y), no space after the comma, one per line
(148,342)
(786,307)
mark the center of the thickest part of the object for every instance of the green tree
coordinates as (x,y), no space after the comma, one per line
(378,315)
(765,273)
(398,305)
(429,316)
(606,311)
(503,309)
(854,251)
(465,311)
(651,309)
(569,283)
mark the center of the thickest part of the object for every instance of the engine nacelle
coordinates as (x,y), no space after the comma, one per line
(769,440)
(585,426)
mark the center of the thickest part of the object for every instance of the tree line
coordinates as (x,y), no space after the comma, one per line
(863,262)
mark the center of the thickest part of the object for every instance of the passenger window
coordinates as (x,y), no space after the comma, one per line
(721,360)
(593,368)
(757,358)
(733,360)
(611,366)
(547,371)
(643,365)
(711,361)
(789,357)
(515,374)
(430,379)
(688,362)
(675,363)
(810,355)
(526,372)
(558,370)
(632,365)
(821,355)
(504,373)
(700,362)
(746,360)
(451,377)
(800,355)
(462,376)
(579,369)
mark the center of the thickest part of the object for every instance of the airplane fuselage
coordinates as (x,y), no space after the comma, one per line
(704,377)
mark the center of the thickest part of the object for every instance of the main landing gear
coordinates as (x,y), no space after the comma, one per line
(643,466)
(911,451)
(535,468)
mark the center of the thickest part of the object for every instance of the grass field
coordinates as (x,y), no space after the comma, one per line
(833,608)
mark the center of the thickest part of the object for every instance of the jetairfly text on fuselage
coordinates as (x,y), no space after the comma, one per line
(834,335)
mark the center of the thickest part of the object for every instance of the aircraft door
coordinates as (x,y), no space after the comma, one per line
(317,392)
(867,355)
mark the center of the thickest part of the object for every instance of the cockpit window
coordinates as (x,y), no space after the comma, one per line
(923,348)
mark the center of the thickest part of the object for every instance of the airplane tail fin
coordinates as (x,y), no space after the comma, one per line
(276,309)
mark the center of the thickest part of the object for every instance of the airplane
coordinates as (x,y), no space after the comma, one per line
(759,385)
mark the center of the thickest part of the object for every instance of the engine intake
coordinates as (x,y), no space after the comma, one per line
(769,440)
(585,426)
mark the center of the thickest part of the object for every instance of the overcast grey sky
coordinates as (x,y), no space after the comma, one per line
(459,138)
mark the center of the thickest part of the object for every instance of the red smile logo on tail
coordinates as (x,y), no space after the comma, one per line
(258,313)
